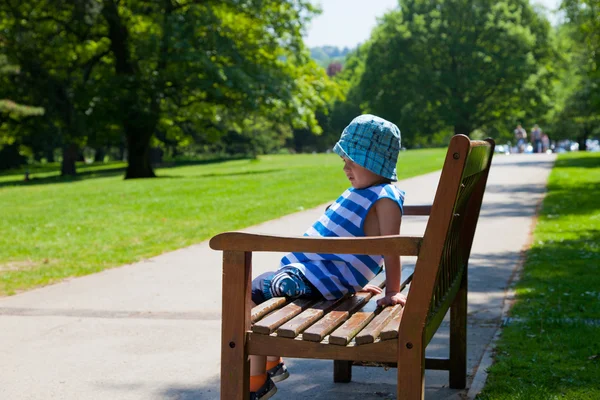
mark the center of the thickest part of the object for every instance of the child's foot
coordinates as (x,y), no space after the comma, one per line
(265,391)
(277,371)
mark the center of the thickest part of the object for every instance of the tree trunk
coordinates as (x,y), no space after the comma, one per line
(582,139)
(138,126)
(49,155)
(67,167)
(138,152)
(99,155)
(461,129)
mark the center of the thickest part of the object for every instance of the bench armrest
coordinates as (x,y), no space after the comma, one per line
(394,244)
(416,210)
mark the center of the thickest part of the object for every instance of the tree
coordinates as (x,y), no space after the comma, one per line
(582,16)
(8,106)
(581,116)
(171,67)
(57,47)
(207,60)
(10,156)
(456,63)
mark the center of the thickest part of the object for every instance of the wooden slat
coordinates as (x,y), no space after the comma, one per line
(372,331)
(235,368)
(342,335)
(337,316)
(416,210)
(264,308)
(267,325)
(437,316)
(437,363)
(392,245)
(292,328)
(390,331)
(379,280)
(334,318)
(264,345)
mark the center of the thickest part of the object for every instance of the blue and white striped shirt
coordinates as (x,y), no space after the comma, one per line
(335,275)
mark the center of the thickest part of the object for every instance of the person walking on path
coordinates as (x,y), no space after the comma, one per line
(536,139)
(372,206)
(520,138)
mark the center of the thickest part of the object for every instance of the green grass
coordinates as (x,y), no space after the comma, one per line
(552,349)
(53,228)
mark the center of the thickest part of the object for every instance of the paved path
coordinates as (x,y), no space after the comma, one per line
(151,330)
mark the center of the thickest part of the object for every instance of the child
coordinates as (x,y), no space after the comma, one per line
(369,148)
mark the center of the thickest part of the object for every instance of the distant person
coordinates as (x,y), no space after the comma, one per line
(545,143)
(536,139)
(372,206)
(520,138)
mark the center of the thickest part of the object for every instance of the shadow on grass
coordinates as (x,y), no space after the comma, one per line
(107,172)
(591,161)
(227,175)
(81,176)
(551,348)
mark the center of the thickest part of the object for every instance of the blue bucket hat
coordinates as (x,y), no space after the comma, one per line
(373,143)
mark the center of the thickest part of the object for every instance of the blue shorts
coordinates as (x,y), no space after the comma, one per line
(285,282)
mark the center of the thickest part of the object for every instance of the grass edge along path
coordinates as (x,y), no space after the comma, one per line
(551,347)
(54,228)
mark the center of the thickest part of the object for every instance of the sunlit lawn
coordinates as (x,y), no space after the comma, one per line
(551,350)
(53,228)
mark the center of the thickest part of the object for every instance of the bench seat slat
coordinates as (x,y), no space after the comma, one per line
(342,312)
(267,325)
(372,331)
(335,318)
(390,330)
(264,308)
(344,334)
(292,328)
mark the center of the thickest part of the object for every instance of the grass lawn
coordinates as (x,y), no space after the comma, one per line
(53,228)
(551,349)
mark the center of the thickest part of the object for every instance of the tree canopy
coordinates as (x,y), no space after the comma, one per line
(455,64)
(167,67)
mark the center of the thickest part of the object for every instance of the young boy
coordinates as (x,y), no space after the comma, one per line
(369,148)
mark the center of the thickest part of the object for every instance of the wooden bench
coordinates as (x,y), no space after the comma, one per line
(353,330)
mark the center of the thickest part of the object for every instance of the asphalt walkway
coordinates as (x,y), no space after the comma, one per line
(151,330)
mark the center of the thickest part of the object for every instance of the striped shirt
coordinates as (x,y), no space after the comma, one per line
(335,275)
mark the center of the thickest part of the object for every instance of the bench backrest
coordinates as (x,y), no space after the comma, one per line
(441,267)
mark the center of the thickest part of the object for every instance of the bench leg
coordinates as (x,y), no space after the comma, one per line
(235,366)
(342,371)
(411,371)
(458,338)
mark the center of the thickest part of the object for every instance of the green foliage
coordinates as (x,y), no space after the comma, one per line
(9,107)
(551,350)
(10,154)
(185,71)
(428,69)
(576,113)
(583,17)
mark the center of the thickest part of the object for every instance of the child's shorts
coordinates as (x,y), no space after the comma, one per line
(285,282)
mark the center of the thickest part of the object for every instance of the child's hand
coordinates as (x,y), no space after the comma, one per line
(391,299)
(374,290)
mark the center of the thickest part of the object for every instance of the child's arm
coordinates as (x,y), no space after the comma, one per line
(389,218)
